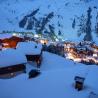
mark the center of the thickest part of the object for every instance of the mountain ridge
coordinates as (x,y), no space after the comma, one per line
(65,11)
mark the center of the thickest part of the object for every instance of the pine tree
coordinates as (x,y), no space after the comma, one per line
(74,23)
(82,25)
(96,25)
(85,26)
(88,36)
(52,33)
(59,33)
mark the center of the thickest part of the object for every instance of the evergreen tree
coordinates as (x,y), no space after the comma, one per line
(82,25)
(59,33)
(74,23)
(88,36)
(96,25)
(52,33)
(85,26)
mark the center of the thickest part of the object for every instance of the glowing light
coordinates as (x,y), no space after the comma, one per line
(56,39)
(36,35)
(14,34)
(70,56)
(77,59)
(73,53)
(95,55)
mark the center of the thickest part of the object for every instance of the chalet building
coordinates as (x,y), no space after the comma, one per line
(84,50)
(12,63)
(69,47)
(83,43)
(10,41)
(68,43)
(33,52)
(95,47)
(41,40)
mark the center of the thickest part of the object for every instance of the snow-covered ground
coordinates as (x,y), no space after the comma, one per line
(55,81)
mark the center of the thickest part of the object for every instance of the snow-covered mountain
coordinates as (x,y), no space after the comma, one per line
(57,15)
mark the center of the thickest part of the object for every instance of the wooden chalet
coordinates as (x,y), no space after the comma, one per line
(33,52)
(12,63)
(11,42)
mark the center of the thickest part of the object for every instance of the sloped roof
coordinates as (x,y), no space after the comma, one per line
(11,57)
(29,48)
(3,36)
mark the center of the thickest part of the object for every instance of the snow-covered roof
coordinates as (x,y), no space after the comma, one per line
(79,79)
(29,48)
(11,57)
(3,36)
(81,48)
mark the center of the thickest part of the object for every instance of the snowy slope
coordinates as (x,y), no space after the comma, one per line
(55,83)
(12,11)
(52,61)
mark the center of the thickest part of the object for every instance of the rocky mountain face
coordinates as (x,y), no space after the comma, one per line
(40,25)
